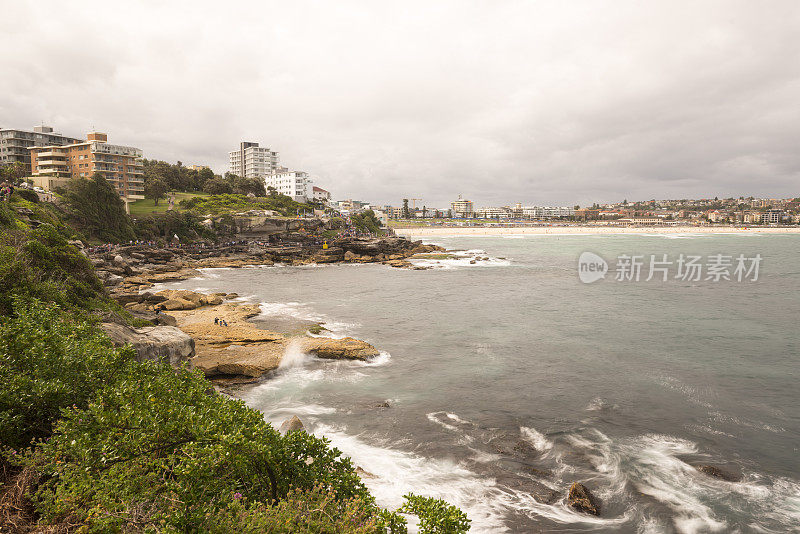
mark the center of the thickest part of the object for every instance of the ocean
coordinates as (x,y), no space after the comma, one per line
(507,378)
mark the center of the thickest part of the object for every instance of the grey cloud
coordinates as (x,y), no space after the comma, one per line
(545,102)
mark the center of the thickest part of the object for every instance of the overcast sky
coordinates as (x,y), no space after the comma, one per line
(549,103)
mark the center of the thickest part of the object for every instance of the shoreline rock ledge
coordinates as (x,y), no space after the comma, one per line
(238,352)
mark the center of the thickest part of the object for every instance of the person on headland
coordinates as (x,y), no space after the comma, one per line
(216,320)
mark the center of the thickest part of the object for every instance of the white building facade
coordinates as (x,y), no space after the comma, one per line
(253,161)
(295,184)
(547,212)
(494,213)
(320,195)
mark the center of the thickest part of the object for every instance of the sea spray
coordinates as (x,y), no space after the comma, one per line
(293,356)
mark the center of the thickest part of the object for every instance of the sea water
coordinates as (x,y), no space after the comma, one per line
(508,378)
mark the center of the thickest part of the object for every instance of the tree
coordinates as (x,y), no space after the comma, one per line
(405,213)
(155,189)
(217,186)
(13,172)
(96,206)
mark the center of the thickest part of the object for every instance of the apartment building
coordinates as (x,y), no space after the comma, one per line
(15,144)
(494,213)
(295,184)
(462,208)
(122,166)
(253,161)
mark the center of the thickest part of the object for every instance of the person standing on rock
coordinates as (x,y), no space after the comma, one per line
(216,320)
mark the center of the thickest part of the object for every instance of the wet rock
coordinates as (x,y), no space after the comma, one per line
(291,425)
(363,473)
(716,472)
(547,496)
(231,296)
(525,448)
(582,499)
(182,299)
(384,404)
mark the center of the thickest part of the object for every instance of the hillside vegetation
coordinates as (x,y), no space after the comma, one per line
(94,441)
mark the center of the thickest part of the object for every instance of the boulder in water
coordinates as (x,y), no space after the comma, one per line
(716,472)
(582,499)
(292,424)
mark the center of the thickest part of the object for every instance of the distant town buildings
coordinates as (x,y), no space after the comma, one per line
(14,144)
(351,206)
(462,208)
(122,166)
(197,167)
(253,161)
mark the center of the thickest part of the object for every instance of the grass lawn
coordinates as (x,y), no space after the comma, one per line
(394,223)
(147,207)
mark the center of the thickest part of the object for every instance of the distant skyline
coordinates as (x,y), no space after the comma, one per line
(546,103)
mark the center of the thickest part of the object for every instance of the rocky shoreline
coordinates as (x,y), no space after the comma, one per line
(183,322)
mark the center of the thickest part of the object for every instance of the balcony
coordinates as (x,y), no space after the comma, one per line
(52,154)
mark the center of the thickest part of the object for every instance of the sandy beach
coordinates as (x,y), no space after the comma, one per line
(434,231)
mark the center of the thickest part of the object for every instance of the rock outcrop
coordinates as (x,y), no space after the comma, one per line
(164,343)
(339,349)
(291,425)
(242,352)
(582,499)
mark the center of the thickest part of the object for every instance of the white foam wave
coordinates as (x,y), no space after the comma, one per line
(302,310)
(457,419)
(434,417)
(536,438)
(460,262)
(399,472)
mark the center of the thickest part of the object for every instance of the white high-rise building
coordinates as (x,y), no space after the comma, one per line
(253,161)
(295,184)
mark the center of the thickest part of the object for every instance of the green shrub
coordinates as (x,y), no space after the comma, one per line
(48,362)
(435,515)
(367,222)
(28,195)
(161,448)
(96,207)
(314,511)
(41,264)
